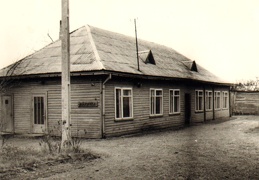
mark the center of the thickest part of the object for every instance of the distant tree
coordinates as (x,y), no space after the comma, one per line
(6,77)
(247,85)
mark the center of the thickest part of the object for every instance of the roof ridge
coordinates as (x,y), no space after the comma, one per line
(97,57)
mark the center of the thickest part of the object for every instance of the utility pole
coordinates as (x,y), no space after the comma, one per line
(65,51)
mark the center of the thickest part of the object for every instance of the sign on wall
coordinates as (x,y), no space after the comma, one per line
(87,104)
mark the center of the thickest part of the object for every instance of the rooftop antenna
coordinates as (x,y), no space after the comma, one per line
(136,42)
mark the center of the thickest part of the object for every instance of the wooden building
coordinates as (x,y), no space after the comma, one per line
(109,95)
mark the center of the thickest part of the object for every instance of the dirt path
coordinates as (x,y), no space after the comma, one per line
(214,150)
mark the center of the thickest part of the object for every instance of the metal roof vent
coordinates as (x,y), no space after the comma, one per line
(194,67)
(147,57)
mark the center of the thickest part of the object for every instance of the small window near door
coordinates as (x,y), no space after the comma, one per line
(38,110)
(6,101)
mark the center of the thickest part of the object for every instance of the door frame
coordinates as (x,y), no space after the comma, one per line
(12,112)
(35,129)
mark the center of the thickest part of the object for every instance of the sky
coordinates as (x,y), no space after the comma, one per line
(220,35)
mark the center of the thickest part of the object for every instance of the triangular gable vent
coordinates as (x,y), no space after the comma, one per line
(147,57)
(194,67)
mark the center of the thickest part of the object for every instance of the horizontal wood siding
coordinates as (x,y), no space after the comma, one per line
(54,111)
(86,122)
(209,115)
(22,109)
(222,113)
(245,103)
(198,117)
(141,109)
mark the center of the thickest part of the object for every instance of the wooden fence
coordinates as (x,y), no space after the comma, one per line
(245,102)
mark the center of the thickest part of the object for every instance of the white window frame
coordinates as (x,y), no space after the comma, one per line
(217,96)
(209,104)
(172,99)
(154,101)
(121,105)
(202,101)
(225,99)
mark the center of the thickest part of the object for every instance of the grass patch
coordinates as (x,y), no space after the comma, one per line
(13,158)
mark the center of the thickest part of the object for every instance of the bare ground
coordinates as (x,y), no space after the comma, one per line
(221,149)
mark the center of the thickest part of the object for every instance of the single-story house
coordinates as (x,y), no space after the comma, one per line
(110,96)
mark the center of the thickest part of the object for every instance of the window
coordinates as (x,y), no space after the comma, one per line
(225,99)
(209,100)
(123,103)
(198,100)
(174,101)
(156,102)
(217,99)
(38,110)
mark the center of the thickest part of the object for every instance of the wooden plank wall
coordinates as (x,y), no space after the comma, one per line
(141,101)
(86,122)
(198,117)
(221,113)
(246,103)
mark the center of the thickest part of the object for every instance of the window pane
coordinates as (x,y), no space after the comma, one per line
(176,92)
(158,105)
(200,103)
(38,110)
(126,107)
(196,101)
(176,104)
(158,92)
(152,101)
(118,103)
(126,92)
(171,102)
(35,110)
(218,102)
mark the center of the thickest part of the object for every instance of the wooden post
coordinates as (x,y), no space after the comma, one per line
(65,46)
(136,42)
(204,103)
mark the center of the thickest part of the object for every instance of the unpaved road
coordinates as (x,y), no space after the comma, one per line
(214,150)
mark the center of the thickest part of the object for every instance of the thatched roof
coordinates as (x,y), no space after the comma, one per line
(94,49)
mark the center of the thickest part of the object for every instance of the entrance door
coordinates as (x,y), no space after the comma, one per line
(39,114)
(187,108)
(7,124)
